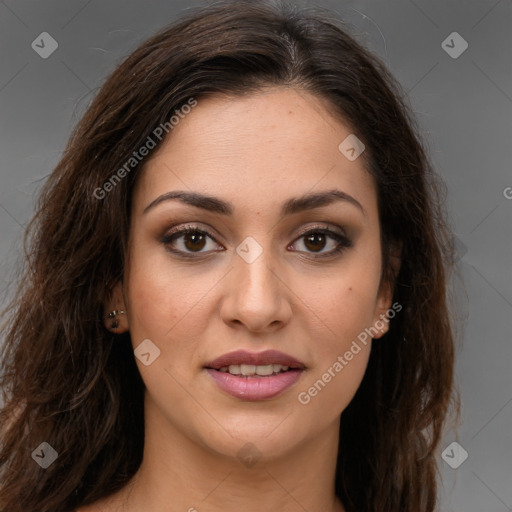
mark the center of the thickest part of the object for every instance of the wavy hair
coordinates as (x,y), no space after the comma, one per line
(68,381)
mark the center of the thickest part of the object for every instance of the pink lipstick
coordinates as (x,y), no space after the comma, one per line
(255,375)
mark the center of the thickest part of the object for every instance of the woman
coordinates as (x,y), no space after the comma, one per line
(235,290)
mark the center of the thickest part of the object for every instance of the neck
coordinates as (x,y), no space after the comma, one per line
(180,472)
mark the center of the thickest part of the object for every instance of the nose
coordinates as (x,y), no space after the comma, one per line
(256,293)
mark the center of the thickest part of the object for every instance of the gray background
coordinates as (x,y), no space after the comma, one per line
(464,108)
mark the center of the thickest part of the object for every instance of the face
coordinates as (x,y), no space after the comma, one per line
(259,270)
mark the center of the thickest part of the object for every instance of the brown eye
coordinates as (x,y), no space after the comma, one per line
(188,240)
(194,241)
(315,241)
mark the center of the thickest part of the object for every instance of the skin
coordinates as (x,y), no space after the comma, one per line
(256,152)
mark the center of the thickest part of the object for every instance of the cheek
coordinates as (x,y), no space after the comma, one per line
(340,309)
(171,306)
(329,390)
(342,305)
(161,309)
(163,296)
(345,312)
(159,305)
(340,353)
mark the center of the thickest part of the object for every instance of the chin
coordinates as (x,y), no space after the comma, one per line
(264,436)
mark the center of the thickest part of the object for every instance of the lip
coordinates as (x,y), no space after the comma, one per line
(255,387)
(256,358)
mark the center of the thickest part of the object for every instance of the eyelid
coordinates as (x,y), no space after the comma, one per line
(179,228)
(322,226)
(184,229)
(336,233)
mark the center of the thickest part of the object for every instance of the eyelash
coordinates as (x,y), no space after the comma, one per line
(343,242)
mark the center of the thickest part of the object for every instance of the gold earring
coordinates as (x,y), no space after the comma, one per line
(115,322)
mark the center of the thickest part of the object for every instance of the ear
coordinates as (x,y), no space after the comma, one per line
(385,296)
(115,315)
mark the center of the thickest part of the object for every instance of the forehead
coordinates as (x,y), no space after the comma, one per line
(256,150)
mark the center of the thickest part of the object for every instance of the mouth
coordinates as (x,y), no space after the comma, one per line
(255,376)
(251,370)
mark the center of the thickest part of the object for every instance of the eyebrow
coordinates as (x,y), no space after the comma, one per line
(294,205)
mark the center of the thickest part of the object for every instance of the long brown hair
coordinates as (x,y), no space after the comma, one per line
(71,383)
